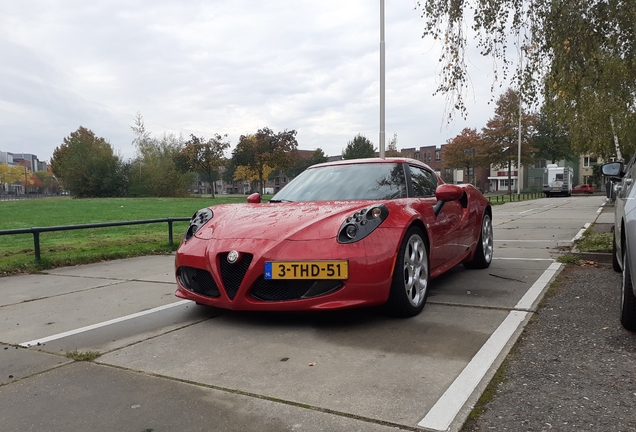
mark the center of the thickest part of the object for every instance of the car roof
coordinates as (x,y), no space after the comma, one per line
(372,161)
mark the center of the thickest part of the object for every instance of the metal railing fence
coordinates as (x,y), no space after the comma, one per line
(514,197)
(36,231)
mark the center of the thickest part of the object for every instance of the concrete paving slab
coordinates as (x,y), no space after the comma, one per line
(18,289)
(17,363)
(157,268)
(358,362)
(501,285)
(31,320)
(530,251)
(124,333)
(84,397)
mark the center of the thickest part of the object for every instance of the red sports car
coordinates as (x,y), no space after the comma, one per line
(342,234)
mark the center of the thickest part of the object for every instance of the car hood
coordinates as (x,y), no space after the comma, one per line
(294,221)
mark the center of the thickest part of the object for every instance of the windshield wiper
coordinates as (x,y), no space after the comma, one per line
(279,200)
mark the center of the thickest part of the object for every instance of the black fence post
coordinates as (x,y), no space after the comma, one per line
(36,244)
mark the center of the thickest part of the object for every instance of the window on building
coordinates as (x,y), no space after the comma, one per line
(588,161)
(438,156)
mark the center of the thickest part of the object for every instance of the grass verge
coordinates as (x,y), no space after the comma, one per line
(596,242)
(83,246)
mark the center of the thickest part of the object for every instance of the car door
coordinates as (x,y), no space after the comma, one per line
(444,231)
(623,191)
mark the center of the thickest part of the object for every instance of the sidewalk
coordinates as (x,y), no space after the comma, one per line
(573,367)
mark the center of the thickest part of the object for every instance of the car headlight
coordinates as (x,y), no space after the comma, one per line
(199,219)
(362,223)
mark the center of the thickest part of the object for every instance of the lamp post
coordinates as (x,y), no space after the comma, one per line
(471,151)
(382,78)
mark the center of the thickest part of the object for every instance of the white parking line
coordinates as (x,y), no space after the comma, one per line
(527,211)
(442,414)
(102,324)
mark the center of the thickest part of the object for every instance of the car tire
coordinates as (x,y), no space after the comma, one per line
(628,300)
(483,253)
(616,265)
(409,288)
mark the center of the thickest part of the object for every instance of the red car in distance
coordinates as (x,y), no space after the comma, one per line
(583,189)
(342,234)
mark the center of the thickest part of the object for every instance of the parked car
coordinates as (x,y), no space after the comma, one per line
(624,242)
(342,234)
(583,189)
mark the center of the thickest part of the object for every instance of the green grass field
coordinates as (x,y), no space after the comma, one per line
(94,244)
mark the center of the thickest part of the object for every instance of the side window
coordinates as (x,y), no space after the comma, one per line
(424,182)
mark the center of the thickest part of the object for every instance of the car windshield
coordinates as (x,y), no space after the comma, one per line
(366,181)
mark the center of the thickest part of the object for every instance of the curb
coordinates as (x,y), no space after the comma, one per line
(601,257)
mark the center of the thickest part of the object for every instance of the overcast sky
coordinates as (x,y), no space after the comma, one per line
(221,66)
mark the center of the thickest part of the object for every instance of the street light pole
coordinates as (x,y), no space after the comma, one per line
(382,62)
(471,151)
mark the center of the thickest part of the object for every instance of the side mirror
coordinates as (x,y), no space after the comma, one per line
(255,198)
(448,192)
(445,193)
(614,170)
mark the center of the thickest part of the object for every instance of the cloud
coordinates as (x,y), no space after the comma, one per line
(217,67)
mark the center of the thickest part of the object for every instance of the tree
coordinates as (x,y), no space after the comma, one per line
(359,148)
(88,166)
(227,175)
(10,174)
(246,174)
(465,150)
(551,140)
(46,181)
(591,80)
(156,170)
(501,135)
(32,181)
(265,149)
(578,56)
(391,148)
(205,157)
(302,163)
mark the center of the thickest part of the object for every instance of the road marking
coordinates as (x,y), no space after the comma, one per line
(580,233)
(526,211)
(537,288)
(442,414)
(102,324)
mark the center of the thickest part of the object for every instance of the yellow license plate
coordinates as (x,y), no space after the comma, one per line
(307,270)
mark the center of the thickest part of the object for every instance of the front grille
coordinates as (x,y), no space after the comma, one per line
(279,290)
(198,281)
(233,274)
